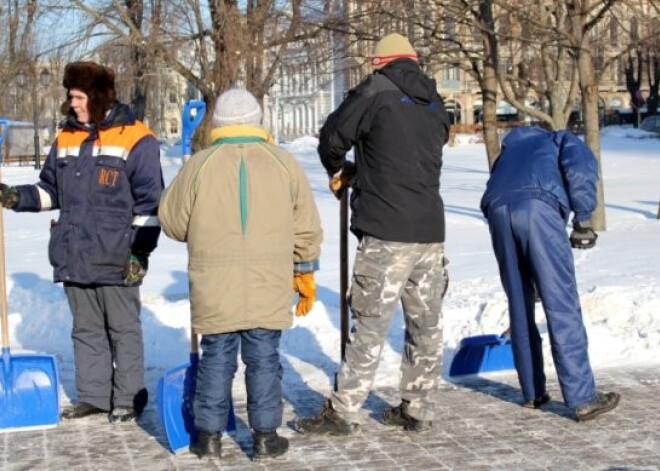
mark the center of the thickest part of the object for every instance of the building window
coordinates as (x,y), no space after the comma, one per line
(174,127)
(450,73)
(172,98)
(614,32)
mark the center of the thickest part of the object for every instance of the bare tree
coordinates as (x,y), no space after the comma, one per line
(211,44)
(634,75)
(16,50)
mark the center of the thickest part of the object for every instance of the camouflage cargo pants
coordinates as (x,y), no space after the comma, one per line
(384,273)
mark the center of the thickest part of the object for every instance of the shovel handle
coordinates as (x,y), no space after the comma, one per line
(3,284)
(194,342)
(343,270)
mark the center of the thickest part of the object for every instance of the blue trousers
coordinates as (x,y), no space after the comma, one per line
(532,247)
(263,379)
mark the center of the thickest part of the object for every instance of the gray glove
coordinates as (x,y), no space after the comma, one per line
(8,196)
(582,236)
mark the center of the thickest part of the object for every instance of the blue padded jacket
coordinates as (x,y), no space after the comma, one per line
(553,166)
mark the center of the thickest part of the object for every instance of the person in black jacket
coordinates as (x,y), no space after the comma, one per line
(103,174)
(539,178)
(398,124)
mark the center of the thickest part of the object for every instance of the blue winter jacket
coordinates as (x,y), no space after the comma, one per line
(107,183)
(553,166)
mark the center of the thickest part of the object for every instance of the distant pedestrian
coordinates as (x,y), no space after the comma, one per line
(539,178)
(103,174)
(246,210)
(398,124)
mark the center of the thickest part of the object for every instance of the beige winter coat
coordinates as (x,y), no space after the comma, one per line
(246,210)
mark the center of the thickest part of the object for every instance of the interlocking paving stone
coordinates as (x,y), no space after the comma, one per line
(479,426)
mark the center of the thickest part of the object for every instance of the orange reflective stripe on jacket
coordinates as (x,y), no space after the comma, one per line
(115,142)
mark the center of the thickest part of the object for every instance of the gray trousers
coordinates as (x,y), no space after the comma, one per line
(384,273)
(107,344)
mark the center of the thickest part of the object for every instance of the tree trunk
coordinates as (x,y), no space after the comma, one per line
(135,10)
(489,82)
(589,90)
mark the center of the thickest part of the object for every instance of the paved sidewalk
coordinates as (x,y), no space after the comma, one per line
(480,426)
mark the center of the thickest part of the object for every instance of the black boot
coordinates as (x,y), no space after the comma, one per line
(603,402)
(397,416)
(538,402)
(207,444)
(80,410)
(123,414)
(268,445)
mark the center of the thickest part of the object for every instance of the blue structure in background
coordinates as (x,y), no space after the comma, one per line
(193,113)
(4,129)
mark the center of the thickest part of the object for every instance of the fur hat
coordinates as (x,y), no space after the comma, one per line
(236,106)
(95,81)
(392,47)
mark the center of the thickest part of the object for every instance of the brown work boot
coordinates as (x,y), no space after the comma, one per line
(327,422)
(398,417)
(603,402)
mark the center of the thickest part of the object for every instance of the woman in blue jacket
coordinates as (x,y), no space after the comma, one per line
(539,178)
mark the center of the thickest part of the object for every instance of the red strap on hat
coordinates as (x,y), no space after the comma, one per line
(380,60)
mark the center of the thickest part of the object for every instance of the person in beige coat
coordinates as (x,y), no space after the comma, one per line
(246,211)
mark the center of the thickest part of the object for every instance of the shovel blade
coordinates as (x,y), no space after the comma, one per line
(175,408)
(176,391)
(29,393)
(482,354)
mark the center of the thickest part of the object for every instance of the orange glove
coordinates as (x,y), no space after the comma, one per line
(343,178)
(305,286)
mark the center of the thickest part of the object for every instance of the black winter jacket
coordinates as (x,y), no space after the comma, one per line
(398,124)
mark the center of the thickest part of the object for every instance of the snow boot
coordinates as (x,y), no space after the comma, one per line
(207,445)
(268,445)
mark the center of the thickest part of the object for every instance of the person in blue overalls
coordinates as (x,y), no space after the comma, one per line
(539,178)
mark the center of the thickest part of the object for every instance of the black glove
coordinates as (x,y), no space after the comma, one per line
(8,196)
(136,268)
(343,178)
(582,236)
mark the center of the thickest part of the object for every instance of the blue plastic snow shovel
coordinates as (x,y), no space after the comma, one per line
(176,391)
(481,354)
(29,395)
(193,113)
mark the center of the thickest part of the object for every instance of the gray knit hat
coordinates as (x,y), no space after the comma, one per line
(236,106)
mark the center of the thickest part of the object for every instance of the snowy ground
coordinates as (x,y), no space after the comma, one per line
(618,280)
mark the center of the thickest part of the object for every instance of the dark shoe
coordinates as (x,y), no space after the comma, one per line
(398,417)
(80,410)
(207,444)
(140,400)
(603,402)
(538,402)
(268,445)
(122,414)
(327,422)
